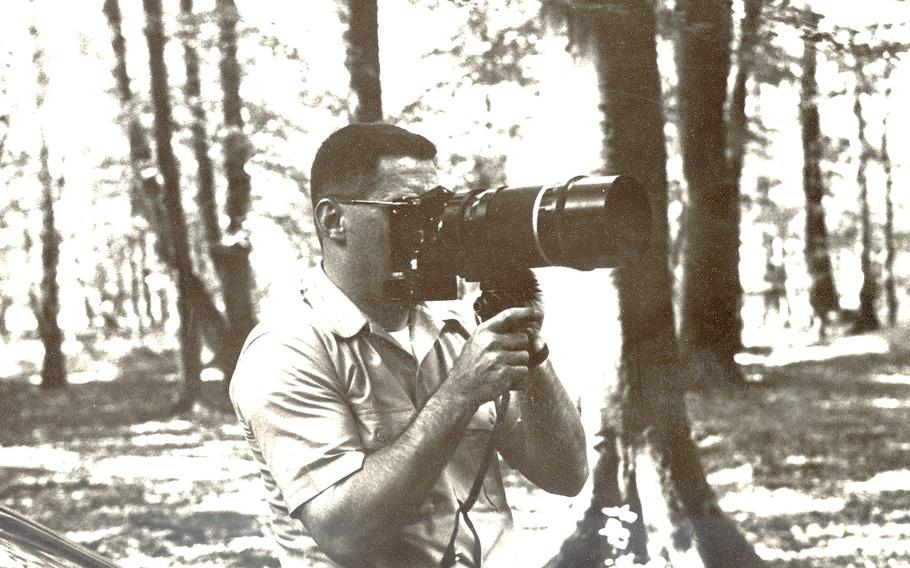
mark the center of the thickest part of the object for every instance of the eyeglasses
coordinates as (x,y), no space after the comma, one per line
(345,201)
(394,203)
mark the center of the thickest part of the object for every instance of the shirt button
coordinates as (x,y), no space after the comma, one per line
(380,434)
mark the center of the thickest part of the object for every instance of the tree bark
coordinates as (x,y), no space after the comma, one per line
(745,62)
(648,462)
(147,192)
(190,346)
(192,91)
(711,327)
(888,280)
(47,307)
(867,318)
(232,256)
(822,291)
(362,59)
(53,369)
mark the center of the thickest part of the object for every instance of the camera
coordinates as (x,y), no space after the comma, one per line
(490,234)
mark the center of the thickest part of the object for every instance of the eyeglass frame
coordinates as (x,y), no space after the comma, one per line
(378,203)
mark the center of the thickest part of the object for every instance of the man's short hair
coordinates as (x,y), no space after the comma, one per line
(352,153)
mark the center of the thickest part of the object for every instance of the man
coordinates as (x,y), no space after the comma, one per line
(369,417)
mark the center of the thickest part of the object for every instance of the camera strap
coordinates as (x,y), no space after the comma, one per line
(449,557)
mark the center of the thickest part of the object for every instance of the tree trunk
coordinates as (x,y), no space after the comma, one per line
(53,369)
(47,307)
(711,327)
(867,319)
(147,192)
(822,291)
(888,280)
(205,176)
(173,208)
(362,59)
(232,256)
(745,62)
(647,461)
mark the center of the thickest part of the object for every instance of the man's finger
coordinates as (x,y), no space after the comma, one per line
(514,319)
(515,341)
(516,358)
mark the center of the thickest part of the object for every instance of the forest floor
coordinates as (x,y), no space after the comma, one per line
(811,459)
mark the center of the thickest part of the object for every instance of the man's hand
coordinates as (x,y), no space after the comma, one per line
(495,357)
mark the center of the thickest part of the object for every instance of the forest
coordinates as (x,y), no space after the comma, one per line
(744,387)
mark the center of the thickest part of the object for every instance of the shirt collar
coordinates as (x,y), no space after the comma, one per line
(345,319)
(334,308)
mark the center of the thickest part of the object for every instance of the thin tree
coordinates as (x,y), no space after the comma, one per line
(711,326)
(867,318)
(46,306)
(146,193)
(362,58)
(174,218)
(648,476)
(888,281)
(738,135)
(822,291)
(192,92)
(232,256)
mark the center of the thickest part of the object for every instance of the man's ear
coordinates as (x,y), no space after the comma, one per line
(329,220)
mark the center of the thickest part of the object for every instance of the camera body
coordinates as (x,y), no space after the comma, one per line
(490,234)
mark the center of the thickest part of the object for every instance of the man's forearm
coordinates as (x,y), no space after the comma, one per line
(366,508)
(548,444)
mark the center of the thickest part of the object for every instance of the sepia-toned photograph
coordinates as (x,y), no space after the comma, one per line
(454,283)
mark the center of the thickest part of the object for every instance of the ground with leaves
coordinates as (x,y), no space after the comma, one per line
(810,459)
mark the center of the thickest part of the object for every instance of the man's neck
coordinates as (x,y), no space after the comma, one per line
(390,315)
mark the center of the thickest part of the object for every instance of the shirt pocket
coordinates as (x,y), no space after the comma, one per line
(378,428)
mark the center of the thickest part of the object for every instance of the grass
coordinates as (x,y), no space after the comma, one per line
(810,459)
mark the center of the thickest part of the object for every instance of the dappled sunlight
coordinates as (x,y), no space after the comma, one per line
(841,347)
(892,379)
(869,545)
(91,536)
(241,499)
(100,371)
(44,456)
(764,502)
(890,403)
(741,475)
(176,425)
(157,468)
(145,440)
(898,480)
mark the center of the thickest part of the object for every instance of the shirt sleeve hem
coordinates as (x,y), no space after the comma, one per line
(318,481)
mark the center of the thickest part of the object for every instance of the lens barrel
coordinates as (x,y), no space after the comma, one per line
(585,223)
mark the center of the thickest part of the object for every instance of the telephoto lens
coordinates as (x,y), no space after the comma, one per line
(490,234)
(585,223)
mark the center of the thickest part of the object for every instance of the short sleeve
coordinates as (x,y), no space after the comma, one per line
(286,390)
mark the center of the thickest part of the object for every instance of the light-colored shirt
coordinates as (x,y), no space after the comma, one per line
(324,387)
